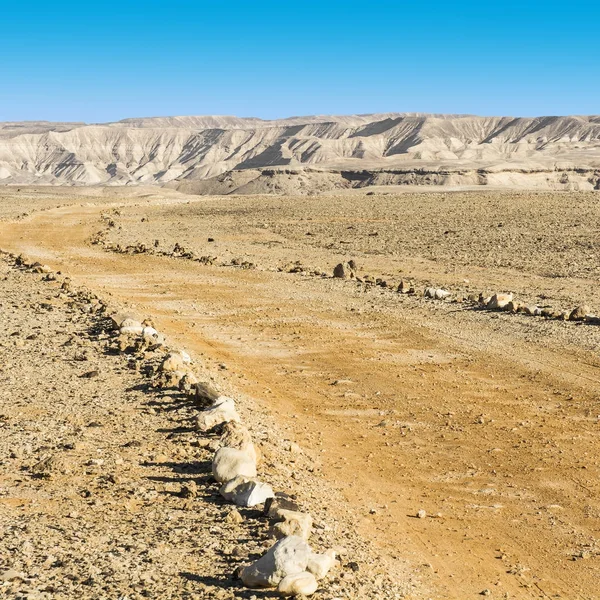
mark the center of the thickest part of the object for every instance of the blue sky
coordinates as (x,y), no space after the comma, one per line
(102,61)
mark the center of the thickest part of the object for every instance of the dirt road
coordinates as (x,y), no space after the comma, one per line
(411,406)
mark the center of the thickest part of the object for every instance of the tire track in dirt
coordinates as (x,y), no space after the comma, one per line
(473,433)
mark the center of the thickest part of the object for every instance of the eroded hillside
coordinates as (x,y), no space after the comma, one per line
(306,154)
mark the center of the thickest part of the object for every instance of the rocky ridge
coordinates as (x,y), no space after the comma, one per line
(306,154)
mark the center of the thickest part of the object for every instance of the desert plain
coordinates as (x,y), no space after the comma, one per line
(444,449)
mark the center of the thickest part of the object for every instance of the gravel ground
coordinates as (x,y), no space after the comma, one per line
(105,490)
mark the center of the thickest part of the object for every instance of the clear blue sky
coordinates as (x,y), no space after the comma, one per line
(101,61)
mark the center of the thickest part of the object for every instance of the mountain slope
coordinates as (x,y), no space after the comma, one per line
(194,149)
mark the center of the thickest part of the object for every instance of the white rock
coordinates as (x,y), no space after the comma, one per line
(176,361)
(288,556)
(244,491)
(132,330)
(436,293)
(300,584)
(129,322)
(228,463)
(236,435)
(320,564)
(187,382)
(499,301)
(221,411)
(291,522)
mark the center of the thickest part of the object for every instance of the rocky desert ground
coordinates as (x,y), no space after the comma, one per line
(434,407)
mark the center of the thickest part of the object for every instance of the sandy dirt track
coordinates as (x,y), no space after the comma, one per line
(488,421)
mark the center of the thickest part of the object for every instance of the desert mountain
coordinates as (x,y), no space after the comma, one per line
(223,154)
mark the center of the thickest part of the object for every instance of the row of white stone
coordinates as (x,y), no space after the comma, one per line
(289,565)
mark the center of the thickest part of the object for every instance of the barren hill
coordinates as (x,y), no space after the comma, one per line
(222,154)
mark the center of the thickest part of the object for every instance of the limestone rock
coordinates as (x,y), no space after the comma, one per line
(405,287)
(176,361)
(579,313)
(436,293)
(320,564)
(513,306)
(499,301)
(344,271)
(236,435)
(228,463)
(288,556)
(280,502)
(128,321)
(291,522)
(300,584)
(222,411)
(245,491)
(149,331)
(188,382)
(204,393)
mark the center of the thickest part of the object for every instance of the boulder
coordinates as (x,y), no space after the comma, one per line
(281,501)
(499,301)
(132,330)
(288,556)
(228,463)
(579,313)
(171,379)
(121,319)
(436,293)
(320,564)
(513,306)
(236,435)
(176,361)
(291,522)
(246,491)
(204,393)
(40,268)
(221,411)
(127,322)
(188,382)
(344,271)
(405,287)
(300,584)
